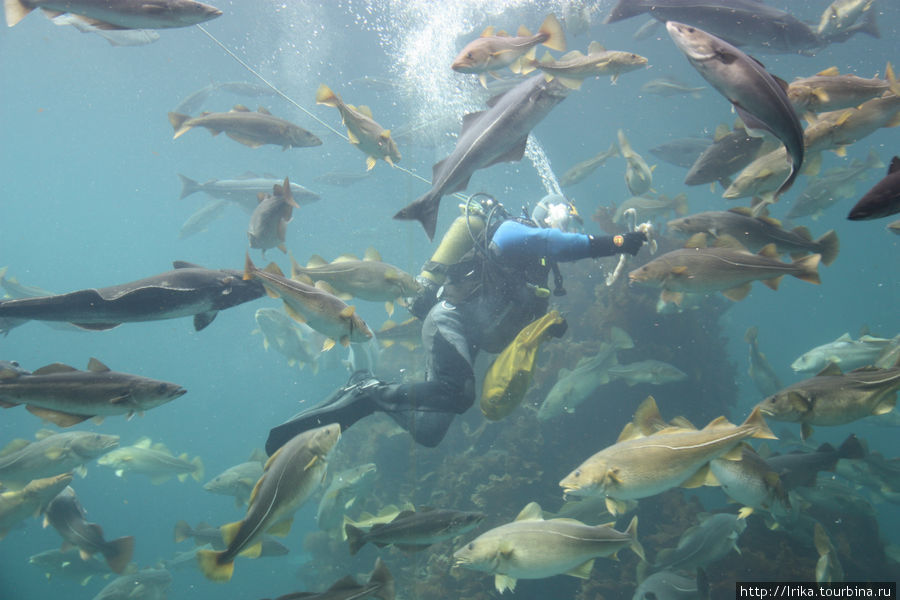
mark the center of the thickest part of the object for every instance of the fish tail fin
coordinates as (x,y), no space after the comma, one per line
(16,10)
(355,538)
(198,471)
(892,79)
(118,553)
(424,210)
(214,566)
(188,186)
(761,429)
(381,575)
(851,448)
(325,95)
(808,268)
(786,185)
(631,532)
(556,38)
(177,120)
(750,335)
(182,531)
(829,246)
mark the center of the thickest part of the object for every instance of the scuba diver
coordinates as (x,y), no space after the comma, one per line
(486,281)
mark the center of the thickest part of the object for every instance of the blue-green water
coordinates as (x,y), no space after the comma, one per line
(90,199)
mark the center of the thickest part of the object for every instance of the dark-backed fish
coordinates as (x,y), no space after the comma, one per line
(731,151)
(18,505)
(498,134)
(51,454)
(379,585)
(683,152)
(66,515)
(189,290)
(759,98)
(883,199)
(414,530)
(120,14)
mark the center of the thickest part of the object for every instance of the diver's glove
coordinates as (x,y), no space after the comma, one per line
(628,243)
(558,330)
(422,302)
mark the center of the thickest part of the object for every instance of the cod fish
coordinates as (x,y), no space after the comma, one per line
(731,151)
(244,190)
(491,51)
(291,475)
(18,505)
(759,368)
(650,371)
(154,460)
(414,530)
(498,134)
(121,14)
(574,67)
(51,454)
(268,223)
(379,585)
(705,543)
(883,199)
(829,90)
(836,129)
(367,279)
(249,128)
(203,534)
(202,218)
(638,466)
(68,564)
(756,232)
(652,208)
(66,515)
(835,398)
(828,567)
(575,386)
(581,170)
(842,15)
(66,396)
(343,491)
(318,308)
(638,176)
(666,585)
(533,548)
(238,481)
(845,352)
(796,469)
(751,482)
(670,86)
(363,132)
(759,98)
(682,152)
(189,290)
(728,267)
(289,338)
(146,584)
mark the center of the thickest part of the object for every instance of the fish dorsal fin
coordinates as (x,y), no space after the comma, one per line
(366,111)
(744,211)
(372,254)
(488,31)
(647,418)
(255,491)
(698,240)
(895,165)
(54,368)
(42,434)
(573,55)
(769,251)
(831,369)
(183,264)
(845,337)
(629,432)
(829,72)
(682,423)
(325,287)
(274,269)
(348,257)
(595,48)
(346,583)
(718,423)
(144,442)
(263,111)
(523,31)
(727,241)
(531,512)
(722,131)
(240,108)
(96,366)
(776,223)
(316,261)
(467,121)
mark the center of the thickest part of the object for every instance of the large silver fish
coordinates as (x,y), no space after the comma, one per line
(244,190)
(413,530)
(758,97)
(845,352)
(120,14)
(253,129)
(51,454)
(18,505)
(154,460)
(498,134)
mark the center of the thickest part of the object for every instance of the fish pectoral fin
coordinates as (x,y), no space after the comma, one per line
(698,479)
(281,528)
(582,571)
(745,512)
(161,478)
(328,344)
(513,154)
(58,418)
(243,139)
(615,507)
(504,582)
(123,399)
(201,320)
(737,293)
(885,405)
(311,462)
(292,313)
(370,162)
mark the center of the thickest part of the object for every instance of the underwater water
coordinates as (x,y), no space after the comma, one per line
(90,198)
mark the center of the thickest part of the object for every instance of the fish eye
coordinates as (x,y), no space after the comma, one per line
(577,473)
(471,546)
(469,55)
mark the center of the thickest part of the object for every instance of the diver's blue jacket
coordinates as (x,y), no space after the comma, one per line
(515,241)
